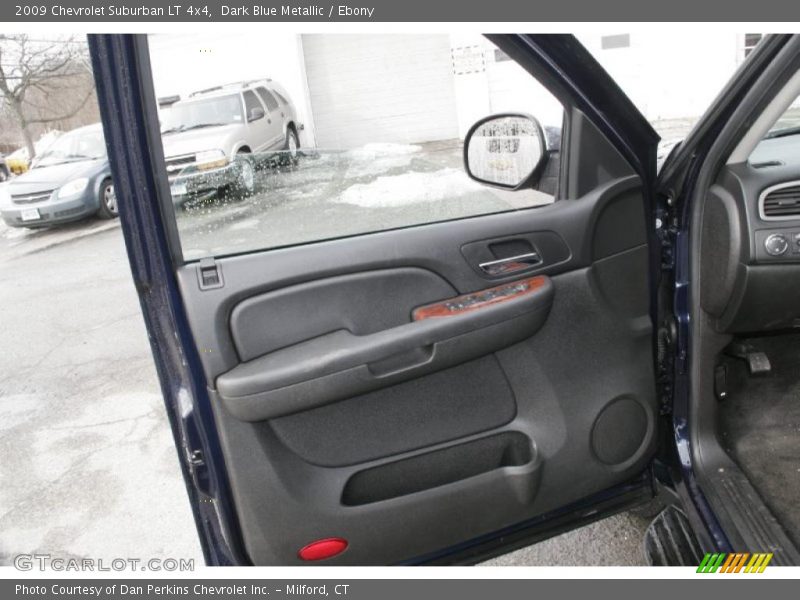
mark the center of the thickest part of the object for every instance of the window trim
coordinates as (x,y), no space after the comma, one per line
(280,97)
(258,101)
(265,96)
(783,99)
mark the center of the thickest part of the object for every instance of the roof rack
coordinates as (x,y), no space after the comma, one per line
(224,86)
(205,91)
(248,82)
(168,100)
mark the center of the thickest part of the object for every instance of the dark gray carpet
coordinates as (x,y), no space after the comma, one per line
(760,425)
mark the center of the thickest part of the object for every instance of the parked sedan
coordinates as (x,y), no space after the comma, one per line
(71,180)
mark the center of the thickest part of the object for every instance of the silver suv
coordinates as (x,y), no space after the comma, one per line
(214,138)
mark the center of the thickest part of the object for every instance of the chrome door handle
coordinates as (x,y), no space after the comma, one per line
(512,264)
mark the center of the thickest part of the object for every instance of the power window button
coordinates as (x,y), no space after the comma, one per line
(210,277)
(209,274)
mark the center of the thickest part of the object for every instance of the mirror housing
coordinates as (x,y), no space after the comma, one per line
(255,114)
(505,150)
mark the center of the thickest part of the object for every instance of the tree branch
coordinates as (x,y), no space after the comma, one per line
(67,115)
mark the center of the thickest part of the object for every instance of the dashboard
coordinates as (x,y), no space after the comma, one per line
(750,254)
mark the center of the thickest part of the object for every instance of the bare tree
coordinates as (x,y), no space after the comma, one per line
(39,80)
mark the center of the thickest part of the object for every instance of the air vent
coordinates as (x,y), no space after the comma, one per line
(780,202)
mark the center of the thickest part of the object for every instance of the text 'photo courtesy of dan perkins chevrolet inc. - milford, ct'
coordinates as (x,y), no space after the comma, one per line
(198,10)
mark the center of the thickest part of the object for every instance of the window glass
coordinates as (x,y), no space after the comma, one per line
(199,113)
(81,144)
(788,123)
(281,98)
(251,103)
(671,84)
(379,120)
(268,98)
(782,141)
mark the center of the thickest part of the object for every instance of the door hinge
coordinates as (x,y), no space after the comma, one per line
(665,341)
(666,232)
(199,471)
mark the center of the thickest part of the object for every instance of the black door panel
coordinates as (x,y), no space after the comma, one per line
(451,404)
(358,469)
(338,365)
(343,336)
(436,248)
(361,303)
(286,502)
(341,416)
(493,258)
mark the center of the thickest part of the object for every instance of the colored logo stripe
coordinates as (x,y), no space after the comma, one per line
(734,562)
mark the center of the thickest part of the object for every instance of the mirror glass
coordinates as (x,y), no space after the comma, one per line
(505,150)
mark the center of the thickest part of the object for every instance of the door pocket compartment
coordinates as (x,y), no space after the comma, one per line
(505,455)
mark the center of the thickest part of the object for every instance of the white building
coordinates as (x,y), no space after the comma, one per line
(668,76)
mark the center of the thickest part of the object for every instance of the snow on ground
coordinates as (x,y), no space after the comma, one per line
(246,224)
(374,159)
(409,188)
(381,149)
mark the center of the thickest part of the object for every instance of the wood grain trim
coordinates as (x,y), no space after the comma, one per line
(445,308)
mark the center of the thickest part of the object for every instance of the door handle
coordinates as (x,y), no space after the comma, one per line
(511,264)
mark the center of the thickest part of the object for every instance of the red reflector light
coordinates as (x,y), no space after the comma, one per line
(322,549)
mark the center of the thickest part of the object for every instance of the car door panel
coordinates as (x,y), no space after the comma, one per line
(429,456)
(337,365)
(341,416)
(261,129)
(436,248)
(276,116)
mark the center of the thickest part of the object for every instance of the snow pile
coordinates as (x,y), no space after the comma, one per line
(245,224)
(409,188)
(374,159)
(380,150)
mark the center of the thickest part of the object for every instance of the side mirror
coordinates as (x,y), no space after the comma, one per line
(255,114)
(506,150)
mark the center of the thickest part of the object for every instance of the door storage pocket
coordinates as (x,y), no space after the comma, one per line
(438,468)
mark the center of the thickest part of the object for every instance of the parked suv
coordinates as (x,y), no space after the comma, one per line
(214,138)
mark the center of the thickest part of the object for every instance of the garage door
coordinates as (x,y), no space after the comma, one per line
(380,88)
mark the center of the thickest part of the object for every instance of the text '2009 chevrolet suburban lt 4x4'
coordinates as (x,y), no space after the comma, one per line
(215,138)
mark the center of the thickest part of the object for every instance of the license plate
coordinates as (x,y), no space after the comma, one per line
(30,214)
(178,189)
